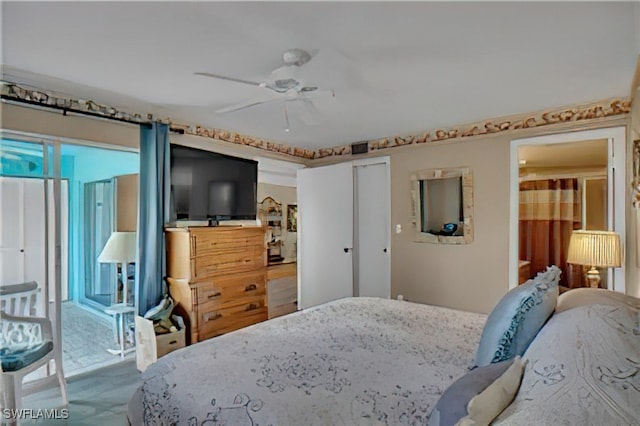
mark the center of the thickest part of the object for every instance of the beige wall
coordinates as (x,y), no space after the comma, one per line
(284,195)
(471,277)
(51,123)
(474,277)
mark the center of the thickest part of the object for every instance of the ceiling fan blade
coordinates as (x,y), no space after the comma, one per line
(237,80)
(329,66)
(310,94)
(246,104)
(310,113)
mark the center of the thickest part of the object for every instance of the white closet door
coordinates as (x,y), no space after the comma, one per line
(11,231)
(325,237)
(372,257)
(22,239)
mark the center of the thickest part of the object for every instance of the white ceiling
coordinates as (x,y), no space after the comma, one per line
(395,68)
(591,153)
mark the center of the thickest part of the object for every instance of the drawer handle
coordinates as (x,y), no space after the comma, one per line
(211,316)
(252,306)
(173,342)
(216,294)
(251,287)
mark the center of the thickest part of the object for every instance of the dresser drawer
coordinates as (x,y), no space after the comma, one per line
(205,242)
(227,262)
(219,321)
(230,290)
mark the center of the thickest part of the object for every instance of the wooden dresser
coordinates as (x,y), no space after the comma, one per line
(217,275)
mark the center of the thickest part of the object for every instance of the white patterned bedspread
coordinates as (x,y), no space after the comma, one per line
(584,369)
(348,362)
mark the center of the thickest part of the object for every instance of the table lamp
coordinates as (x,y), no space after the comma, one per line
(120,249)
(595,249)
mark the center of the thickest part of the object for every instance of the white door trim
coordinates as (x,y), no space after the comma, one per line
(617,221)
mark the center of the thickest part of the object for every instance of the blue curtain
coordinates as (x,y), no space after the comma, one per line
(152,214)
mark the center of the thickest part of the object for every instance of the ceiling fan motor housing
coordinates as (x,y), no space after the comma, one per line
(297,57)
(285,84)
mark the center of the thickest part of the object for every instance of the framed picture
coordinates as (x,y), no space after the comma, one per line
(292,217)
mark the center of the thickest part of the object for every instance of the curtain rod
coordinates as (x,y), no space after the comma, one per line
(66,111)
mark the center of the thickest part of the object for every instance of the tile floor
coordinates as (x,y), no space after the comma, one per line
(85,340)
(96,398)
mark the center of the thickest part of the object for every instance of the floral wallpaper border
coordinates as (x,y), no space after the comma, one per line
(595,110)
(601,109)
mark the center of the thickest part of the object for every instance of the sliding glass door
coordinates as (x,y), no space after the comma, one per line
(31,226)
(59,204)
(99,223)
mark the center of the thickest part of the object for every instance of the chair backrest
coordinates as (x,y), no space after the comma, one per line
(19,299)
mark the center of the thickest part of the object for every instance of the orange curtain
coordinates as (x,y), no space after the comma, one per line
(549,212)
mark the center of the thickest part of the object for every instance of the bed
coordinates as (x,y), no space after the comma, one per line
(347,362)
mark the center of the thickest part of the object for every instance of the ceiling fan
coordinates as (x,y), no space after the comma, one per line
(285,84)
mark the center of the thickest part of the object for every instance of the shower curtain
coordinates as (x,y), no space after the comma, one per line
(549,211)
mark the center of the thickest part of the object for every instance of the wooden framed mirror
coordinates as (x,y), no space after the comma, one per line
(443,205)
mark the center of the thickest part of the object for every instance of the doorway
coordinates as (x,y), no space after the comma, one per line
(42,187)
(560,183)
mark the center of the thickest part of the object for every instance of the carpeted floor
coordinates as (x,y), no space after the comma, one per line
(97,398)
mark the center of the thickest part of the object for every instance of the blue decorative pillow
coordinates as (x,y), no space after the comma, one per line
(452,405)
(14,359)
(517,318)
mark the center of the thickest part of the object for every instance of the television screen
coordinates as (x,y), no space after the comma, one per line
(207,185)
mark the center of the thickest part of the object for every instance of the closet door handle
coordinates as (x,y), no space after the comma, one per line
(348,249)
(384,250)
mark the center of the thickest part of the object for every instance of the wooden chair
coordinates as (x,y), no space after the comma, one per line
(26,342)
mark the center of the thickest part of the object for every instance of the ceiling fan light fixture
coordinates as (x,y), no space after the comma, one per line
(297,57)
(286,84)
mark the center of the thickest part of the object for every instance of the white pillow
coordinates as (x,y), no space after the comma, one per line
(489,403)
(592,296)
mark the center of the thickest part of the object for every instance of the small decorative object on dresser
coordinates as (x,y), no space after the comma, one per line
(217,275)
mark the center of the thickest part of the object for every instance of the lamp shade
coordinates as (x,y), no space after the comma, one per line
(120,248)
(595,248)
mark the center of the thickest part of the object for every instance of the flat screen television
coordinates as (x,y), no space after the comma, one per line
(206,185)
